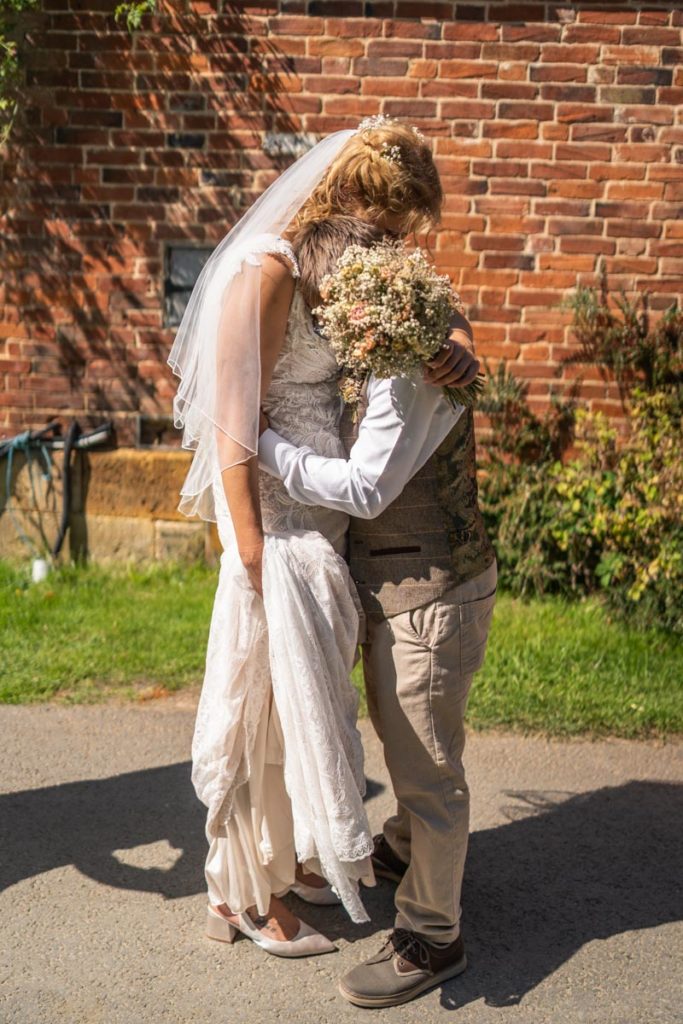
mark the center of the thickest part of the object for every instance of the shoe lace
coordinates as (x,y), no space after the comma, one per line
(407,945)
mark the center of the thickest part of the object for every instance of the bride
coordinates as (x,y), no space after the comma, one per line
(277,757)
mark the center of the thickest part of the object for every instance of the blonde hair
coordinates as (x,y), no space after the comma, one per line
(388,168)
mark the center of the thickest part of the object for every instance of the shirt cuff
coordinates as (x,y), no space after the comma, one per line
(273,453)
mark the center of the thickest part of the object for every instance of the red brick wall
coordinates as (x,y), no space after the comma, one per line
(557,128)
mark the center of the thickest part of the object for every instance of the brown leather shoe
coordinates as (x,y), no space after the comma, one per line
(385,862)
(405,966)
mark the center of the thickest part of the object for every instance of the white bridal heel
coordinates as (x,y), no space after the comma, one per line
(306,942)
(323,896)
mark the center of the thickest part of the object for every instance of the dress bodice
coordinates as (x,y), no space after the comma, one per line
(303,404)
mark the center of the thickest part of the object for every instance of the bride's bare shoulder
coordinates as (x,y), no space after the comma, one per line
(276,294)
(276,265)
(280,253)
(277,282)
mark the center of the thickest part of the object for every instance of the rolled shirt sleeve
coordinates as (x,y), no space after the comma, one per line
(405,422)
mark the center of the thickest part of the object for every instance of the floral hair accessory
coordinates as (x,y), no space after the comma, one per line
(381,121)
(375,121)
(392,153)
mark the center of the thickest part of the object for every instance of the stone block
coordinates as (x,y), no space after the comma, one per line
(293,144)
(125,481)
(40,529)
(112,538)
(135,482)
(124,505)
(179,542)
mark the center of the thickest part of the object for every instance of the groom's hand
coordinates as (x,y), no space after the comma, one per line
(454,366)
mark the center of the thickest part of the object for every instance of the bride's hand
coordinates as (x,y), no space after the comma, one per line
(454,366)
(252,560)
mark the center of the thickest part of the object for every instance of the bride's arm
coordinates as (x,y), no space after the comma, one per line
(240,482)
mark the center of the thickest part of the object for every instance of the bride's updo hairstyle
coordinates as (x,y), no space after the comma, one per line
(385,168)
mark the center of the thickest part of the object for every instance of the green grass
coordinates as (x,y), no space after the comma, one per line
(567,668)
(85,633)
(551,666)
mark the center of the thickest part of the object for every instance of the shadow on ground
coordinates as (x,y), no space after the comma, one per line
(562,871)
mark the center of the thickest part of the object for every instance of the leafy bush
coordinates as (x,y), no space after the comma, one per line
(134,11)
(11,37)
(619,514)
(623,342)
(610,518)
(514,494)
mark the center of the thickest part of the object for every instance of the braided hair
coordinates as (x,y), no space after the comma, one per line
(387,168)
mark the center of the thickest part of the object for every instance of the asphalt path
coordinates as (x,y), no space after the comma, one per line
(572,902)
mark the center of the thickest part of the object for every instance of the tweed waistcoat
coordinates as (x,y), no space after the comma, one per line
(431,538)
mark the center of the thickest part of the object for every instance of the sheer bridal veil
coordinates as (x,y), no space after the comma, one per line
(216,352)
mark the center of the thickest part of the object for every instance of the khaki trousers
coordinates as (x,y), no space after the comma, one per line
(418,667)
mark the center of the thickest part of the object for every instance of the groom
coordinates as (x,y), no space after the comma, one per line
(426,574)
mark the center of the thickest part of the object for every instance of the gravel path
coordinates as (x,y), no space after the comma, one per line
(572,898)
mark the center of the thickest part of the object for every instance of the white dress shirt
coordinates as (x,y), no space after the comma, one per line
(405,422)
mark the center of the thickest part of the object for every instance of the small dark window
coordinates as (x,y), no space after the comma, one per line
(183,264)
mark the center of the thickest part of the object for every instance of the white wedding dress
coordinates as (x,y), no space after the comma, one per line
(277,756)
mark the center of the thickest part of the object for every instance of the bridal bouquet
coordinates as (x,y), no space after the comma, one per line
(386,311)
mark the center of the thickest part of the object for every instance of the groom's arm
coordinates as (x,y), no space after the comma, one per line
(405,422)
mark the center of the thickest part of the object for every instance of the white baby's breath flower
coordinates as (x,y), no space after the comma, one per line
(386,311)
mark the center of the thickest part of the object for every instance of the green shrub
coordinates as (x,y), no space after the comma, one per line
(610,518)
(134,11)
(619,510)
(12,31)
(620,339)
(516,501)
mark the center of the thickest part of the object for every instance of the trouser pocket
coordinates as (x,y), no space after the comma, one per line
(475,623)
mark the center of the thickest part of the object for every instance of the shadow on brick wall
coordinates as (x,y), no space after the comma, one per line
(126,144)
